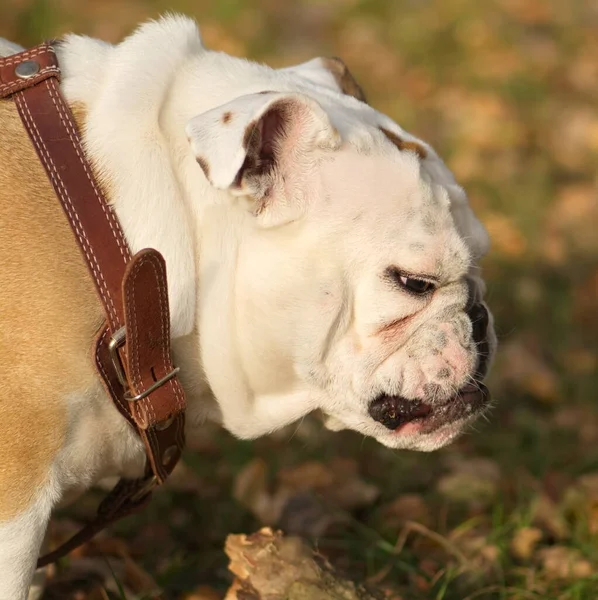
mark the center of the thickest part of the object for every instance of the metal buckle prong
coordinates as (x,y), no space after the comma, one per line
(152,387)
(117,340)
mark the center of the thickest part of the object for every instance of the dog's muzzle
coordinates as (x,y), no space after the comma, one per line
(395,411)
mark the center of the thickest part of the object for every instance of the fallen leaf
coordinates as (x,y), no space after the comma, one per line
(548,516)
(251,489)
(586,301)
(524,542)
(483,468)
(269,566)
(407,507)
(506,237)
(203,592)
(561,562)
(580,502)
(338,484)
(306,515)
(473,481)
(524,366)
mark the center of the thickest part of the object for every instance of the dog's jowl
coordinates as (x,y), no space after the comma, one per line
(319,258)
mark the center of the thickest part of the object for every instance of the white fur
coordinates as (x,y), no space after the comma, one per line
(20,542)
(276,308)
(7,48)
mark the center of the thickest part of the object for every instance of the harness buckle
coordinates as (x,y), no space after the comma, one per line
(117,340)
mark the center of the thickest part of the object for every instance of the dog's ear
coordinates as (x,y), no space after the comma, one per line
(330,72)
(257,144)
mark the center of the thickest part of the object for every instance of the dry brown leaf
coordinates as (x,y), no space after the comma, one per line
(234,589)
(269,566)
(580,501)
(560,562)
(585,360)
(474,482)
(338,484)
(586,302)
(524,542)
(524,366)
(306,515)
(407,507)
(573,138)
(307,476)
(506,237)
(571,220)
(583,72)
(547,516)
(348,490)
(203,592)
(578,420)
(251,489)
(530,12)
(484,468)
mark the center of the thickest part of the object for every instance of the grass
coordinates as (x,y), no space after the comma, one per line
(505,90)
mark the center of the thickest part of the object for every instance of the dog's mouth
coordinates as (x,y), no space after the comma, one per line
(396,412)
(403,415)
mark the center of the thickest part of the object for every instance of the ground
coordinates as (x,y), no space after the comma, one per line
(506,90)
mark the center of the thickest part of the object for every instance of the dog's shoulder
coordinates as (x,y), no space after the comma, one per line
(49,316)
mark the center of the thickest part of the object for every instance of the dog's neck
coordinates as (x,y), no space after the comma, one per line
(137,97)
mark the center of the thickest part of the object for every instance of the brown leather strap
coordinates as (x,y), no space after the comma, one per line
(160,415)
(126,498)
(132,352)
(52,130)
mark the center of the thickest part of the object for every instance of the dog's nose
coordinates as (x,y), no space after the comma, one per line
(478,315)
(393,411)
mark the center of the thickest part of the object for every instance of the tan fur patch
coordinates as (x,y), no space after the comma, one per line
(80,113)
(404,146)
(49,315)
(345,81)
(227,117)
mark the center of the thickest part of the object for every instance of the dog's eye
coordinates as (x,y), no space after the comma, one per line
(416,286)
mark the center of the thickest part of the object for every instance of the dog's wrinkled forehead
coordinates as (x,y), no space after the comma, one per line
(420,176)
(384,202)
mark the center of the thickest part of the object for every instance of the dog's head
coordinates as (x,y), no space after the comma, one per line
(349,280)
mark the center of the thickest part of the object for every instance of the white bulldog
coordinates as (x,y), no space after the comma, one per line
(319,258)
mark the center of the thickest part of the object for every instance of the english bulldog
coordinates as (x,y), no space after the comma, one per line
(320,258)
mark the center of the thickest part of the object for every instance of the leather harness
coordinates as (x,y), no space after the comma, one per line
(132,349)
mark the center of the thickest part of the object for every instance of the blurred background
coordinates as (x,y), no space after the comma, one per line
(507,93)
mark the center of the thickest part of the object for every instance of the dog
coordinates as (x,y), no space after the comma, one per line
(319,258)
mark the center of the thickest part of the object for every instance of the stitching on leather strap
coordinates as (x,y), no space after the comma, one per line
(145,404)
(56,179)
(68,125)
(14,85)
(14,59)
